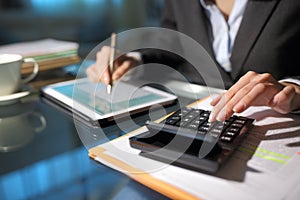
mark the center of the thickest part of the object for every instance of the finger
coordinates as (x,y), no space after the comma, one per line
(105,78)
(237,87)
(91,74)
(259,91)
(282,100)
(224,114)
(224,108)
(102,63)
(240,84)
(261,94)
(217,108)
(121,70)
(216,100)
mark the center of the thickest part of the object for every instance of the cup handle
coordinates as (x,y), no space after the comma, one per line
(42,121)
(35,69)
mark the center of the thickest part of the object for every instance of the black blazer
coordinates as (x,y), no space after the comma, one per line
(268,39)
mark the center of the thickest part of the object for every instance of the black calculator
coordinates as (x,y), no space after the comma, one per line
(198,144)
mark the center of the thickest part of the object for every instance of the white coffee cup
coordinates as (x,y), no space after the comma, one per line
(10,72)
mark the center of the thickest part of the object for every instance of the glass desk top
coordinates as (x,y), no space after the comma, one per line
(42,157)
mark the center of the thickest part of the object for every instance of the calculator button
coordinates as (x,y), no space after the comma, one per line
(190,116)
(215,135)
(226,139)
(239,121)
(206,124)
(175,117)
(205,114)
(231,134)
(233,129)
(192,126)
(203,128)
(198,111)
(242,118)
(196,122)
(186,120)
(183,112)
(226,123)
(201,132)
(182,124)
(236,125)
(215,130)
(171,121)
(203,118)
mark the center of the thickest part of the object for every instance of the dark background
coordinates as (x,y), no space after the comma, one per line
(87,22)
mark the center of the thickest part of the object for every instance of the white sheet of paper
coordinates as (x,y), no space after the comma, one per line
(265,166)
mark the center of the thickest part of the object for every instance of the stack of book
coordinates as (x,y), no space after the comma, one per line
(49,53)
(53,56)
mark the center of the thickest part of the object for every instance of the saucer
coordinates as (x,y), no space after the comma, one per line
(13,98)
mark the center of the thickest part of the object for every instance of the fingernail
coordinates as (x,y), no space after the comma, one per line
(115,77)
(105,79)
(238,108)
(221,116)
(211,117)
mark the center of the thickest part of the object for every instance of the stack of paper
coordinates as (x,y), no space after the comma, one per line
(49,53)
(265,165)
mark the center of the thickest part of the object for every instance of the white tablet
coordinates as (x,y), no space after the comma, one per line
(92,101)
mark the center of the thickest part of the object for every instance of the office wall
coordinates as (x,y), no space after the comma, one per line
(85,21)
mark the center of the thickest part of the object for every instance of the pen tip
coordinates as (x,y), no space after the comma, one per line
(108,89)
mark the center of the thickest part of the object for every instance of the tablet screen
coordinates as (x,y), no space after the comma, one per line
(93,100)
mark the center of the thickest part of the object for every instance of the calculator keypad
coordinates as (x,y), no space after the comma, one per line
(197,119)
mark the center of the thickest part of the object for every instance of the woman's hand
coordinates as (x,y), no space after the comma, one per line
(255,89)
(99,72)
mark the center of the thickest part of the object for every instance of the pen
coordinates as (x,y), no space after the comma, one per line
(111,60)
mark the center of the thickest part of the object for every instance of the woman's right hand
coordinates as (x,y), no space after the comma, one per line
(99,72)
(254,89)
